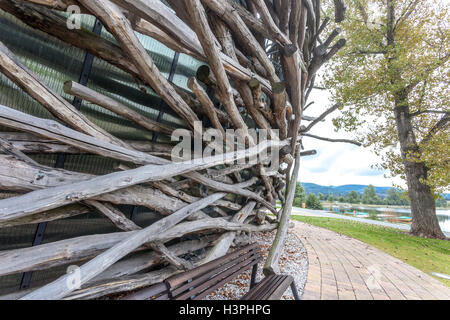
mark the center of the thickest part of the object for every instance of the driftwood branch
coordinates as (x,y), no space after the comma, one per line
(84,93)
(248,48)
(271,264)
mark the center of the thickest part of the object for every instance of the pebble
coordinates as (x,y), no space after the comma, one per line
(293,261)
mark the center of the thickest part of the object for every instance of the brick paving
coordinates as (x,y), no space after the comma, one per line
(343,268)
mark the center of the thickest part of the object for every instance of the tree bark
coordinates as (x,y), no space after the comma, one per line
(423,206)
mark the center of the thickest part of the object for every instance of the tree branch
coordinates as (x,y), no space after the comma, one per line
(332,140)
(429,111)
(441,124)
(322,116)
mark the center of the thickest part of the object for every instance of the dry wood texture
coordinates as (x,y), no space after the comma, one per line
(202,202)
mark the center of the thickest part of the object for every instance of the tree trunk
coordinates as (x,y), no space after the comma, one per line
(423,208)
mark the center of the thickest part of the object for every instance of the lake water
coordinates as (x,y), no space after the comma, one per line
(390,214)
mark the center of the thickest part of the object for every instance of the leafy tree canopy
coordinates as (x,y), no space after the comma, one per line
(299,196)
(369,72)
(369,196)
(353,197)
(312,202)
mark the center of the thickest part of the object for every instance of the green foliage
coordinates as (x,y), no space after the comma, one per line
(299,196)
(442,203)
(370,72)
(312,202)
(396,198)
(369,196)
(353,197)
(330,198)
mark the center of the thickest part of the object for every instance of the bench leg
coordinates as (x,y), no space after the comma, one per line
(294,291)
(253,277)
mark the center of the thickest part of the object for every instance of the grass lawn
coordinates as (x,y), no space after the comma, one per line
(428,255)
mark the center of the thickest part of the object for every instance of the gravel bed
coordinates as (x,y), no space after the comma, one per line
(293,261)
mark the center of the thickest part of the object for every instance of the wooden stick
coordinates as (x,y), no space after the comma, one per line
(19,176)
(92,290)
(59,289)
(271,264)
(257,116)
(283,8)
(259,103)
(53,130)
(270,23)
(123,284)
(190,199)
(120,27)
(179,263)
(106,50)
(28,81)
(319,60)
(232,18)
(165,19)
(28,144)
(38,201)
(161,16)
(280,106)
(224,36)
(61,252)
(84,93)
(295,20)
(252,21)
(224,242)
(116,217)
(205,36)
(207,104)
(147,259)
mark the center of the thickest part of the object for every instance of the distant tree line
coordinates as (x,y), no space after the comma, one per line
(369,196)
(311,201)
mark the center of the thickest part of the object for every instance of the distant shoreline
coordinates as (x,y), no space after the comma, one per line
(373,205)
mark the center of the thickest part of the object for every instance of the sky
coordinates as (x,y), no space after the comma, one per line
(338,163)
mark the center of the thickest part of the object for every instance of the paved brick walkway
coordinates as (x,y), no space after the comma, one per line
(343,268)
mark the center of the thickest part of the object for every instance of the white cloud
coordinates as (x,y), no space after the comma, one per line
(338,163)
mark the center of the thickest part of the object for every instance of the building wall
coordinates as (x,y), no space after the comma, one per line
(56,62)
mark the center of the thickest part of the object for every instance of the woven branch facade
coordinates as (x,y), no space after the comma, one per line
(92,94)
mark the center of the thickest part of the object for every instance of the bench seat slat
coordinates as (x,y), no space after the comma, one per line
(272,284)
(224,281)
(257,288)
(216,282)
(267,282)
(252,255)
(177,279)
(270,288)
(201,281)
(277,283)
(280,289)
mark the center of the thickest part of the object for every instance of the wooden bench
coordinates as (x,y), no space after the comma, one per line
(197,283)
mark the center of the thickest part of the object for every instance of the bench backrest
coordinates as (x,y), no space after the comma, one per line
(199,282)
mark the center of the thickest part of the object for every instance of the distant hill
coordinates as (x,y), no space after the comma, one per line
(338,191)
